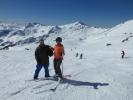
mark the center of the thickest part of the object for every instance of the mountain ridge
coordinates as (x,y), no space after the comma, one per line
(17,34)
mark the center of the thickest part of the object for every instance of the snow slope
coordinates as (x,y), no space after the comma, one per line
(100,75)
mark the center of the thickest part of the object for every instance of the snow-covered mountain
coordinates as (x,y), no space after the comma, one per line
(12,34)
(15,34)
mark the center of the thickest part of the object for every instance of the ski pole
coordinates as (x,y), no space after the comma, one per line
(62,68)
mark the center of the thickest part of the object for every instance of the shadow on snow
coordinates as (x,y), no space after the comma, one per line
(81,83)
(95,85)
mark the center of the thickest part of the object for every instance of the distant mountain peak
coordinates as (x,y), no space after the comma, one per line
(79,23)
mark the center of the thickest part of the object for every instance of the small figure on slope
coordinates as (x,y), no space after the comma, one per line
(122,54)
(81,56)
(77,54)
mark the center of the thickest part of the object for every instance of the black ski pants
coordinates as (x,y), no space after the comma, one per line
(57,64)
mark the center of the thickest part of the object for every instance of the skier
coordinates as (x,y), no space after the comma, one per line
(77,54)
(42,54)
(122,54)
(58,57)
(81,56)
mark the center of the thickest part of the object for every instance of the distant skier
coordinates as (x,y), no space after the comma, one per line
(42,54)
(81,56)
(58,56)
(122,54)
(77,54)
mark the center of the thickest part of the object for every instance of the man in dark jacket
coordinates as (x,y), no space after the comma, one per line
(42,54)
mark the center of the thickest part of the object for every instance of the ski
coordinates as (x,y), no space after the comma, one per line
(54,89)
(41,79)
(49,78)
(67,75)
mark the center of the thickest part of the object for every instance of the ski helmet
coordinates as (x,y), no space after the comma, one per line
(58,39)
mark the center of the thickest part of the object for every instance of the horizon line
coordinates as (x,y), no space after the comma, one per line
(26,22)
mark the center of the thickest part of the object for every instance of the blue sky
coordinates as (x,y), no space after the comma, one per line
(92,12)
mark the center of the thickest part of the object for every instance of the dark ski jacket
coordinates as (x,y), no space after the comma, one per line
(42,54)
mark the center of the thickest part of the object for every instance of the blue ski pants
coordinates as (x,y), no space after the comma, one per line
(38,69)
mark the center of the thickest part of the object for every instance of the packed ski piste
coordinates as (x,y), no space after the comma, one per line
(74,62)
